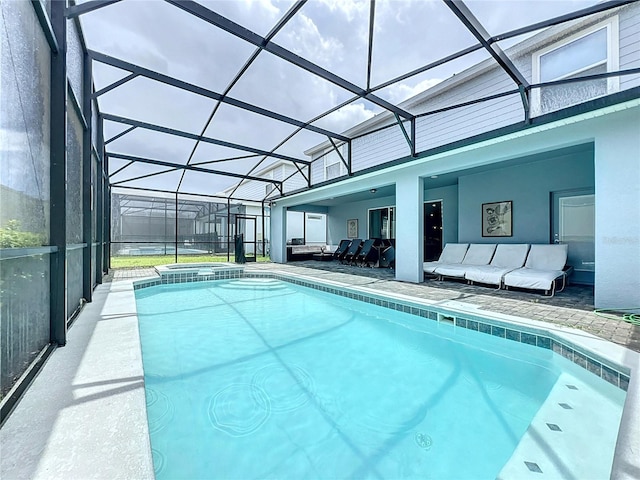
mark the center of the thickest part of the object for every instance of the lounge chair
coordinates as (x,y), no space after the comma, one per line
(388,258)
(367,253)
(352,251)
(544,265)
(507,258)
(477,254)
(453,253)
(342,248)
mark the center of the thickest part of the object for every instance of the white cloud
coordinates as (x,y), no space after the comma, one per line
(308,42)
(350,9)
(400,92)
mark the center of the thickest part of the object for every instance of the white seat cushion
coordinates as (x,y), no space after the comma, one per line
(532,278)
(547,257)
(478,254)
(451,270)
(487,274)
(508,257)
(453,253)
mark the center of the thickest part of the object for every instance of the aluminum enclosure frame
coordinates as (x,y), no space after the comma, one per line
(266,44)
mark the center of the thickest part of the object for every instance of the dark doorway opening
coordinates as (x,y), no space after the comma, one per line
(432,230)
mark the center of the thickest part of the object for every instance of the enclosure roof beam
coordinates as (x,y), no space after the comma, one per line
(188,167)
(469,20)
(372,13)
(173,192)
(116,84)
(249,36)
(189,87)
(193,136)
(280,25)
(86,7)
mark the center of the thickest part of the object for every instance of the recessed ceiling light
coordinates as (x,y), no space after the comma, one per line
(434,176)
(373,190)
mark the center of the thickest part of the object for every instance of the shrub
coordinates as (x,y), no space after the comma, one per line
(12,237)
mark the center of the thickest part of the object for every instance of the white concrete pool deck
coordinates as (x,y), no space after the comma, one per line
(84,415)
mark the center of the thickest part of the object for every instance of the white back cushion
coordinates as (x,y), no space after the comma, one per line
(547,257)
(453,253)
(479,254)
(510,255)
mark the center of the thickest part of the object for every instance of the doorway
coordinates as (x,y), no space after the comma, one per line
(432,230)
(247,228)
(573,223)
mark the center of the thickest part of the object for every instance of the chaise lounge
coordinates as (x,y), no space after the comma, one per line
(352,251)
(342,248)
(507,258)
(367,253)
(452,254)
(545,264)
(477,254)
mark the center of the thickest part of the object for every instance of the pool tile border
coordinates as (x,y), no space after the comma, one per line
(613,374)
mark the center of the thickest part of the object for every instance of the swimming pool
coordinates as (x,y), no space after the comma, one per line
(261,378)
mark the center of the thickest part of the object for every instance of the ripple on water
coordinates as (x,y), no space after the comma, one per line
(490,385)
(288,387)
(158,460)
(160,410)
(239,409)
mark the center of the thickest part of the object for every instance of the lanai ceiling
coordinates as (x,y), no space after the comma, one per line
(197,96)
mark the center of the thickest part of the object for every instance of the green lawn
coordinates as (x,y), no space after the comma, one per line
(130,261)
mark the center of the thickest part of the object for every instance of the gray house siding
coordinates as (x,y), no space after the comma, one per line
(453,125)
(630,45)
(447,127)
(379,147)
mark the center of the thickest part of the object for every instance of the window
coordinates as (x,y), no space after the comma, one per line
(333,165)
(382,222)
(589,52)
(269,187)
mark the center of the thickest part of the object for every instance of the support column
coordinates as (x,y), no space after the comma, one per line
(101,179)
(87,187)
(58,214)
(409,228)
(617,242)
(278,234)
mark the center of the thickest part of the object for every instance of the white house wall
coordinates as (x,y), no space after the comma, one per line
(617,173)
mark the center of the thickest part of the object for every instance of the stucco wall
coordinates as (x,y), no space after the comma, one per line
(338,216)
(617,168)
(528,187)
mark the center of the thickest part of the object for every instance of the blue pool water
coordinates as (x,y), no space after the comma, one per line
(265,379)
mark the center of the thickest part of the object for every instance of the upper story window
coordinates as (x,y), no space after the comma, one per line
(333,165)
(588,52)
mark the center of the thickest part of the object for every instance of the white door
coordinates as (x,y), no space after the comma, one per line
(574,224)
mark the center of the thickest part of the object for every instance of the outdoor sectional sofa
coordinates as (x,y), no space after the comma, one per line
(535,267)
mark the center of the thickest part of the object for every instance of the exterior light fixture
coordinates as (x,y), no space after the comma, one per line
(373,190)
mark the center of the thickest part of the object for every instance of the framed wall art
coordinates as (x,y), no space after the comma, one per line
(497,219)
(352,228)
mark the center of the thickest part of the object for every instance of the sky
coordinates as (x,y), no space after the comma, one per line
(332,34)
